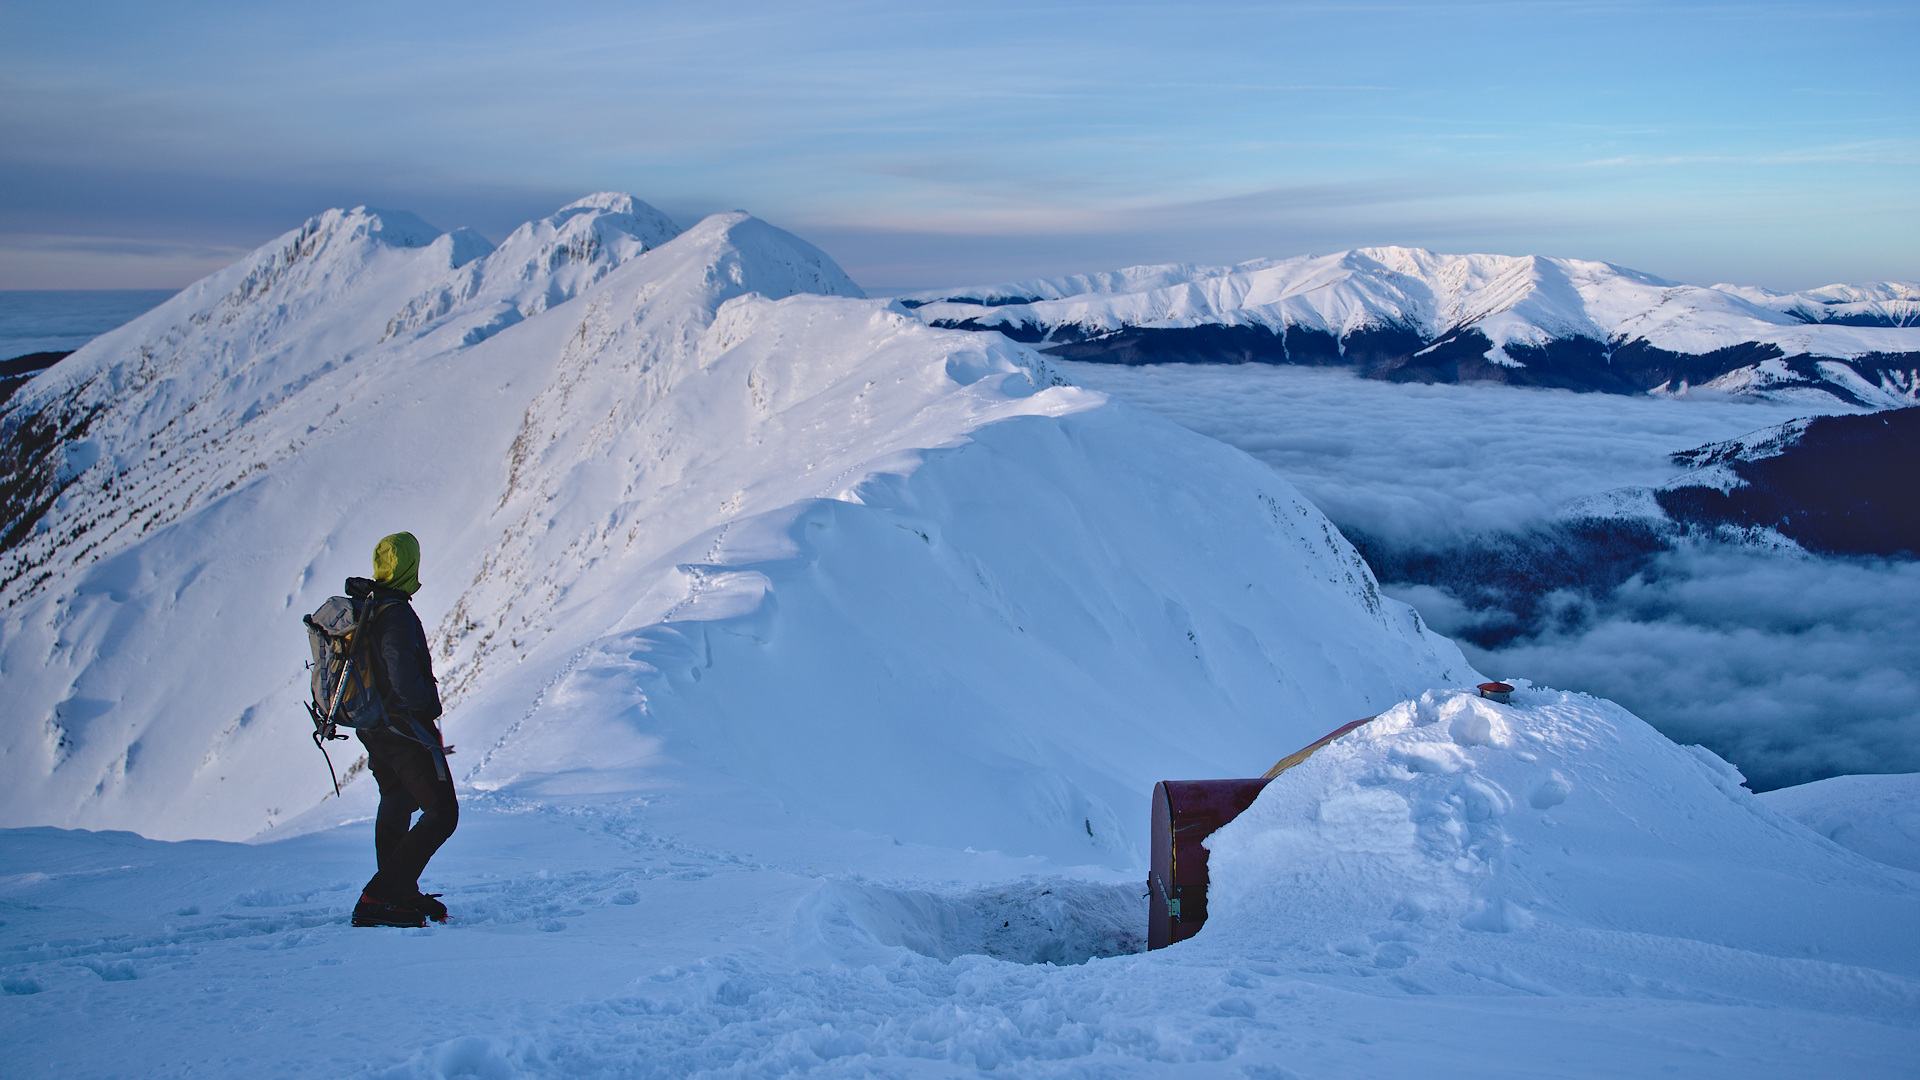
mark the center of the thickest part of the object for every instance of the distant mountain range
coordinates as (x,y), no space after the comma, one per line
(1410,315)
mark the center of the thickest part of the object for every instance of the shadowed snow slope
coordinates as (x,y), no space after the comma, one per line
(1877,816)
(713,516)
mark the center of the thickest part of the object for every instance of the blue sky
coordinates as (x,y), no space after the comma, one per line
(144,144)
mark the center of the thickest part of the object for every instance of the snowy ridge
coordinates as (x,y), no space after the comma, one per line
(541,264)
(1879,303)
(715,516)
(1407,313)
(1755,445)
(175,393)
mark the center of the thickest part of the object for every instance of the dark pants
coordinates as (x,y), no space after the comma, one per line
(408,782)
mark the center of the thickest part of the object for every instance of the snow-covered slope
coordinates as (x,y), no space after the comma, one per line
(159,414)
(766,614)
(1876,816)
(1459,890)
(713,520)
(1411,314)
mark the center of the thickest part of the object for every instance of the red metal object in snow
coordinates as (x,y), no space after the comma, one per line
(1186,812)
(1496,691)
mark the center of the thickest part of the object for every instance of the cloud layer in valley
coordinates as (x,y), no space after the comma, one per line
(1792,667)
(1431,464)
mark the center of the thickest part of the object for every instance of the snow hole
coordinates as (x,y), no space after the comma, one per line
(1034,921)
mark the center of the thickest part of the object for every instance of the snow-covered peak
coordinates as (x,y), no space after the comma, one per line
(395,228)
(541,264)
(1878,303)
(1415,289)
(617,201)
(603,229)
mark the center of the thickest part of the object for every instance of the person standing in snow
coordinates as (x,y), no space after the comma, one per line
(407,757)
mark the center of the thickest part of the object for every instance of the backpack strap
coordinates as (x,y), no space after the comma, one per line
(411,729)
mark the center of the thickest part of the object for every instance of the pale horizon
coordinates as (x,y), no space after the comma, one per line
(1770,144)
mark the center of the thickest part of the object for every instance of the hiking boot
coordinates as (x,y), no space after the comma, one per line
(374,912)
(429,904)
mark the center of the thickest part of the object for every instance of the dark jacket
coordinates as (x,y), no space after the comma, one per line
(404,675)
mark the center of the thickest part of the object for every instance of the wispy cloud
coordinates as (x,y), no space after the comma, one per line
(1009,118)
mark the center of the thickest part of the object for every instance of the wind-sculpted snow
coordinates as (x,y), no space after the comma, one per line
(1412,315)
(714,515)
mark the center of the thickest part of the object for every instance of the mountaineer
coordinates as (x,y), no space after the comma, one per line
(406,754)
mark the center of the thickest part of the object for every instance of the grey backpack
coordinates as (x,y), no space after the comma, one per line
(344,692)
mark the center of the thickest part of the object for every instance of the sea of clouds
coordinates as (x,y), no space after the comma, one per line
(1791,666)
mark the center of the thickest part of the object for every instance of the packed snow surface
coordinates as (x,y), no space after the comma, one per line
(1459,889)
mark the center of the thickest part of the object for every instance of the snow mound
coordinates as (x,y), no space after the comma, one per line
(1877,816)
(1559,891)
(1536,844)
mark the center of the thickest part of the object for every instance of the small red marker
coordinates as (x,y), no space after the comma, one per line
(1496,691)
